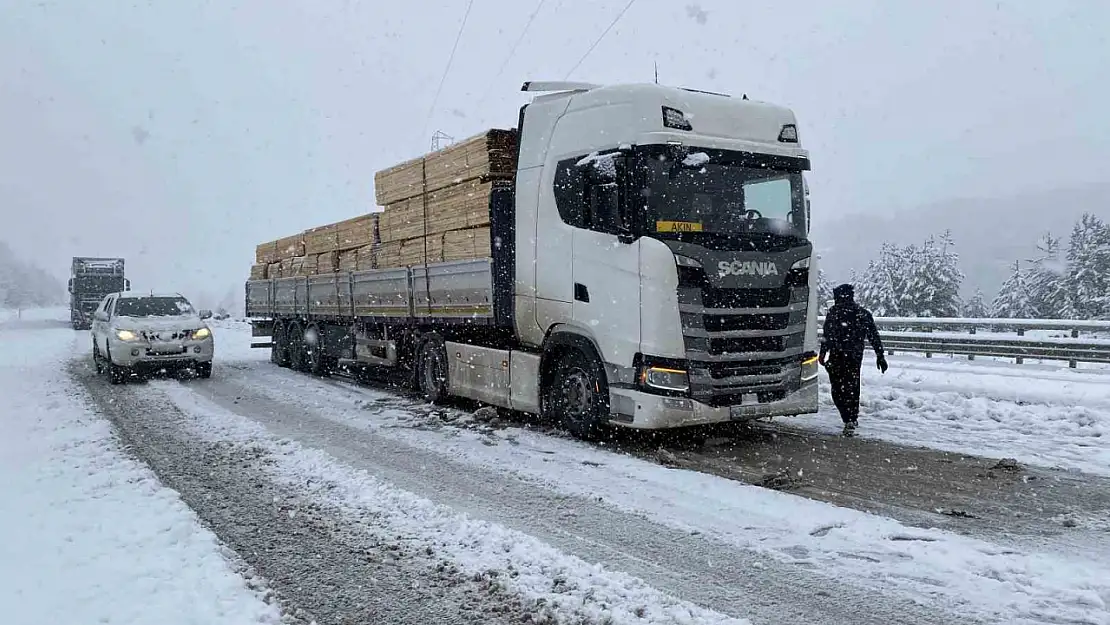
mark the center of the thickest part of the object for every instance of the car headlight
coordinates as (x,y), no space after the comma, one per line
(126,335)
(665,379)
(809,367)
(202,333)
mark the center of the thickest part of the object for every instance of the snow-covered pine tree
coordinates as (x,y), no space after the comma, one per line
(824,289)
(1049,287)
(1012,301)
(881,286)
(976,307)
(1088,262)
(933,288)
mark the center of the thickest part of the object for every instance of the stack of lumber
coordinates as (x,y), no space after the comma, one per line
(436,210)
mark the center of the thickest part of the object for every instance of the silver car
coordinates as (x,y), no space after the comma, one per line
(137,334)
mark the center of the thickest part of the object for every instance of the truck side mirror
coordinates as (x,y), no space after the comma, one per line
(206,314)
(69,285)
(126,284)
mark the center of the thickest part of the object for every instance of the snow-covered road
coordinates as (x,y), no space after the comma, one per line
(87,534)
(356,504)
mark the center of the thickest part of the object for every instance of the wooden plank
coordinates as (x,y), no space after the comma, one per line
(348,260)
(328,262)
(322,239)
(259,271)
(367,257)
(274,270)
(491,154)
(290,247)
(356,232)
(459,245)
(265,253)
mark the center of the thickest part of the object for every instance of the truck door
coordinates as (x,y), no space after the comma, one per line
(605,271)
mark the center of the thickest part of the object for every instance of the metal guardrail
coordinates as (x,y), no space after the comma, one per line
(941,336)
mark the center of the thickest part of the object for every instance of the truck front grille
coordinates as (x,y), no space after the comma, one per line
(742,342)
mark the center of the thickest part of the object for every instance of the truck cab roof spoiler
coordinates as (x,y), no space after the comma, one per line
(548,85)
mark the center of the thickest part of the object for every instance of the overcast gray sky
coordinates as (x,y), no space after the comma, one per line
(178,133)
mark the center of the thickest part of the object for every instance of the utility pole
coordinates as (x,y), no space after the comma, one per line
(440,140)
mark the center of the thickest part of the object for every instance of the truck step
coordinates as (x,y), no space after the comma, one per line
(266,345)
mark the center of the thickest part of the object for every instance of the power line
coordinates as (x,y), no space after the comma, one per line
(509,56)
(447,69)
(605,32)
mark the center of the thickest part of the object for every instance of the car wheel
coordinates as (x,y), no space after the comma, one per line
(578,395)
(432,369)
(204,369)
(98,363)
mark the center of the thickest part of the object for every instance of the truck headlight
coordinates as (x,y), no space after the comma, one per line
(665,379)
(809,367)
(801,264)
(201,334)
(126,335)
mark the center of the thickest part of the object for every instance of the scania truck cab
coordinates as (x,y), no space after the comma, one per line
(667,229)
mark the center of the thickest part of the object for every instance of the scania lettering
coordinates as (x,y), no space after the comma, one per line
(650,267)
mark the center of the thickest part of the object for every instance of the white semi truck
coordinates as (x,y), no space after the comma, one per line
(650,267)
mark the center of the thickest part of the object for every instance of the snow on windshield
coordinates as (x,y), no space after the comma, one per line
(153,307)
(603,163)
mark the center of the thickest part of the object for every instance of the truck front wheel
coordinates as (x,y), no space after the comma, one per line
(578,396)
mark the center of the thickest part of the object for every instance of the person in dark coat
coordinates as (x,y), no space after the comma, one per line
(847,326)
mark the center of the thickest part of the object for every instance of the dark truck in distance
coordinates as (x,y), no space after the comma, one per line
(91,280)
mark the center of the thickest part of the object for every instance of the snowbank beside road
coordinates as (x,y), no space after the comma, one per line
(88,535)
(1054,420)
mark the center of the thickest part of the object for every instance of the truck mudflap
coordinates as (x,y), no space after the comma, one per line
(639,410)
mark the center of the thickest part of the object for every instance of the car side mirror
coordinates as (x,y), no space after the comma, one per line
(206,314)
(100,315)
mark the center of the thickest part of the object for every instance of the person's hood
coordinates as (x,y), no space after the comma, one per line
(844,294)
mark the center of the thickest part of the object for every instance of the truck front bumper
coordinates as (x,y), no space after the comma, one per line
(637,409)
(145,356)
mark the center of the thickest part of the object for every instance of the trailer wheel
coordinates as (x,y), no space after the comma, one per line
(297,355)
(279,346)
(578,396)
(432,369)
(317,360)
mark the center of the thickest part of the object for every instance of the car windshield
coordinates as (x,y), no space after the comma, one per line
(153,307)
(702,193)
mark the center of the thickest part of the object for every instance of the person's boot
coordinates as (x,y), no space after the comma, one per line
(850,428)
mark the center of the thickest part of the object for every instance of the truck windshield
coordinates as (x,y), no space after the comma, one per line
(98,284)
(714,194)
(153,307)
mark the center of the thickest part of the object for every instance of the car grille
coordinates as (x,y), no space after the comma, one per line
(742,342)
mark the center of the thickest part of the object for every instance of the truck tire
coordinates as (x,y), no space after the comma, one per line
(204,369)
(578,396)
(279,346)
(317,360)
(295,343)
(432,369)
